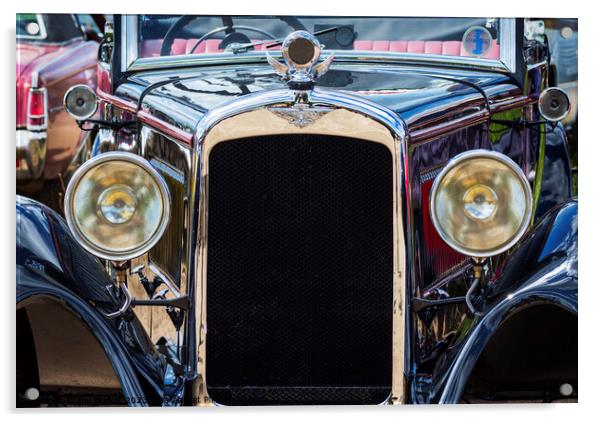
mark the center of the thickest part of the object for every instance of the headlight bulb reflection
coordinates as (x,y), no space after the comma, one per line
(480,202)
(117,204)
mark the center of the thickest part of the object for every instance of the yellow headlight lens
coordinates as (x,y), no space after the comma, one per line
(117,206)
(481,203)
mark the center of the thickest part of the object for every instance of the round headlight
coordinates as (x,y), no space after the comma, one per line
(117,206)
(481,203)
(554,104)
(81,102)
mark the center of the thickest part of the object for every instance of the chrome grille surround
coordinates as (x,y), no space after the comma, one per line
(251,116)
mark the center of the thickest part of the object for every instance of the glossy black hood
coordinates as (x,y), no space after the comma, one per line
(182,97)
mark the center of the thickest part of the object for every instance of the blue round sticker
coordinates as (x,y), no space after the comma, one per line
(477,41)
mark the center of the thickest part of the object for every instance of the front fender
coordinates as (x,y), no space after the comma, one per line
(51,264)
(541,269)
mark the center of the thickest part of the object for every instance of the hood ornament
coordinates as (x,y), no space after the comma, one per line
(301,52)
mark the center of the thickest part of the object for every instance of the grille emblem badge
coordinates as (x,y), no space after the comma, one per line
(300,115)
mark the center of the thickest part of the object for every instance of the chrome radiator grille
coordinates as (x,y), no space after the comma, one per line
(299,271)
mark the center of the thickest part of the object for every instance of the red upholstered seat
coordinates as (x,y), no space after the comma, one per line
(451,48)
(190,44)
(362,45)
(151,48)
(433,47)
(381,45)
(398,46)
(415,46)
(178,47)
(494,51)
(448,48)
(206,46)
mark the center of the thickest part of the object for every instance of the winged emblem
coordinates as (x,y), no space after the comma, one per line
(300,115)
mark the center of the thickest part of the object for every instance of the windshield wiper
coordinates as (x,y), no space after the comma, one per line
(237,48)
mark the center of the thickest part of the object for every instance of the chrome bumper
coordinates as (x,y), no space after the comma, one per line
(31,154)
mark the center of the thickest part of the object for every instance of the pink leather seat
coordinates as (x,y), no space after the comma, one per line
(151,48)
(415,46)
(494,51)
(190,43)
(178,47)
(381,45)
(206,46)
(362,45)
(433,47)
(398,46)
(448,48)
(451,48)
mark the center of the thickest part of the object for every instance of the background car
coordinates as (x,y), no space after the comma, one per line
(54,52)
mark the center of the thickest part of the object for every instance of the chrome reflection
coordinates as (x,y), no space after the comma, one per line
(117,206)
(481,203)
(554,104)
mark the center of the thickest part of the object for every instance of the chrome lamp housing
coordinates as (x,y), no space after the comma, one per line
(80,102)
(481,203)
(117,206)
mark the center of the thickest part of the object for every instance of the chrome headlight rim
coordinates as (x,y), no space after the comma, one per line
(76,232)
(466,156)
(70,91)
(541,107)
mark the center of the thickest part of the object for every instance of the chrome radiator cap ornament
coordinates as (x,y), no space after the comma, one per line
(301,52)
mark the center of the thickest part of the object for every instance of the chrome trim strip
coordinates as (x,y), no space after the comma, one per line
(255,104)
(170,62)
(131,62)
(30,116)
(165,278)
(117,101)
(437,130)
(170,130)
(508,44)
(129,50)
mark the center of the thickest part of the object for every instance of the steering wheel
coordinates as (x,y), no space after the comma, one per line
(225,43)
(179,25)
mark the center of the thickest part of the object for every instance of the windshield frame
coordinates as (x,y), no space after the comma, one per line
(127,34)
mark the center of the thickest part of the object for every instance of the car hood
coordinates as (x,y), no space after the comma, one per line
(183,97)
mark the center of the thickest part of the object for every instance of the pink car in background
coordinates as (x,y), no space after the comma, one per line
(54,52)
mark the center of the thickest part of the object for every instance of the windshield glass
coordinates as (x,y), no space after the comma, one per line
(47,28)
(30,26)
(168,35)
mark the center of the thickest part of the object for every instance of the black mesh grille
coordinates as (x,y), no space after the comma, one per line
(299,271)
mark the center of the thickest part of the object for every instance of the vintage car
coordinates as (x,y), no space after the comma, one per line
(287,210)
(54,52)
